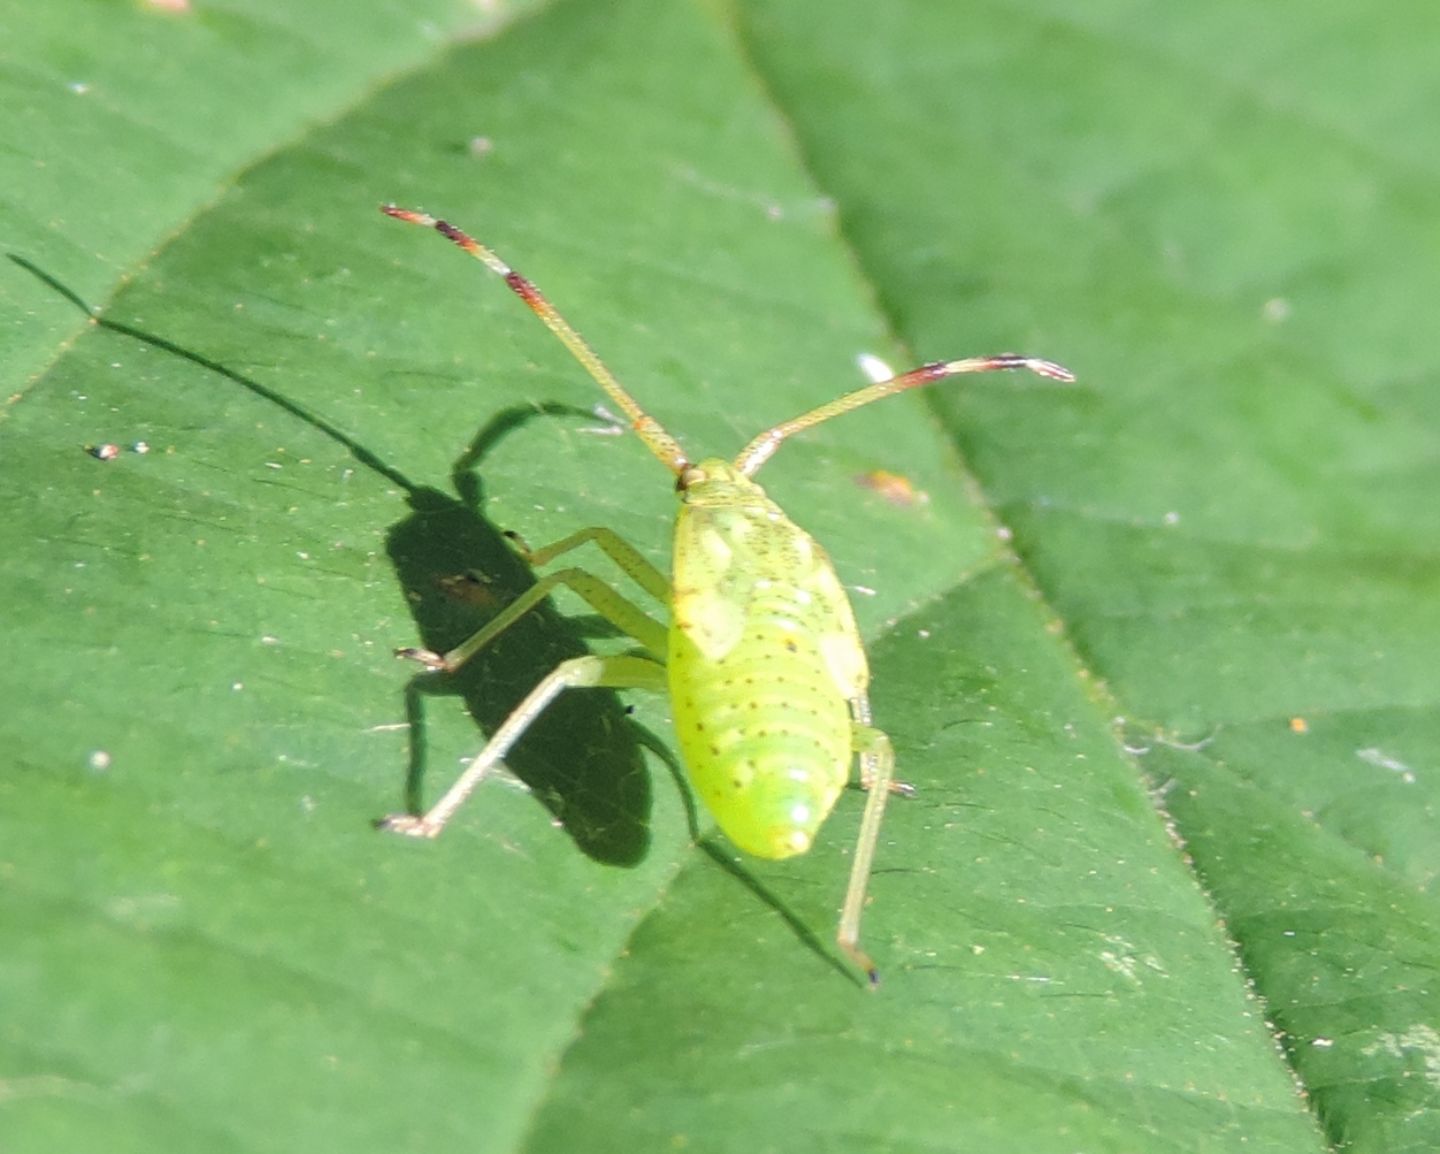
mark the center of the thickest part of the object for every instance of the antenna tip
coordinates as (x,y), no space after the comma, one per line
(1050,369)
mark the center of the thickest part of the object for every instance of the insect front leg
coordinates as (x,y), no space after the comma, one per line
(620,672)
(614,546)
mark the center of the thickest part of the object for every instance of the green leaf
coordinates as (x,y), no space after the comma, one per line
(1171,728)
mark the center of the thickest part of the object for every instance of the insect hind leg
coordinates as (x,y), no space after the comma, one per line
(591,671)
(868,768)
(877,774)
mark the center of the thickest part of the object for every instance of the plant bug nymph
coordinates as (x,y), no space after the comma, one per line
(762,658)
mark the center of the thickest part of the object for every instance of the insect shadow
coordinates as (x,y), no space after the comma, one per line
(583,758)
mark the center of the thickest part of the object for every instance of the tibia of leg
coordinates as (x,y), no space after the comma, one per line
(621,672)
(877,769)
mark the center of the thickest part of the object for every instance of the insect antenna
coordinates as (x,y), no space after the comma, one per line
(758,451)
(659,442)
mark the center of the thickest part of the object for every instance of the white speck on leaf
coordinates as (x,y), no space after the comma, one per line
(1378,757)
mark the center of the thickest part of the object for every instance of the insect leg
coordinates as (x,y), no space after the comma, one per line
(877,773)
(864,736)
(591,671)
(618,610)
(868,773)
(619,550)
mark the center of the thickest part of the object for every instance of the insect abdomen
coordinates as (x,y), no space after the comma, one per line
(764,734)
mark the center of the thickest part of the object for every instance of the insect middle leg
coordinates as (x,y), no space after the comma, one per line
(619,550)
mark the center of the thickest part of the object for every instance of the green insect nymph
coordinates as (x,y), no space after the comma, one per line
(762,659)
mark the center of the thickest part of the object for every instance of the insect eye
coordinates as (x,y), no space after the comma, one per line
(690,475)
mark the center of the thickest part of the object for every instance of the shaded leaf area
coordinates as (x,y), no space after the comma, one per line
(1231,242)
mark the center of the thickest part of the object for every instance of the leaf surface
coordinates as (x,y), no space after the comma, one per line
(1171,727)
